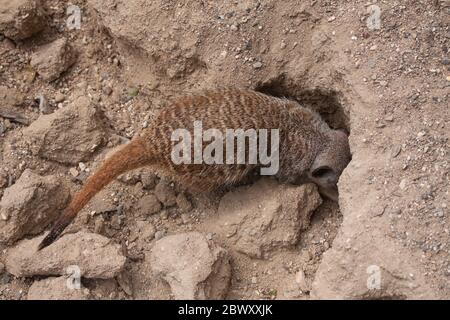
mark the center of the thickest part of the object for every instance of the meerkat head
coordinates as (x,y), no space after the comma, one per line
(329,164)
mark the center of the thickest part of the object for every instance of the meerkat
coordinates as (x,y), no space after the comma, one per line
(309,150)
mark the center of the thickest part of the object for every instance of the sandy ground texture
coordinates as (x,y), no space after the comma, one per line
(72,90)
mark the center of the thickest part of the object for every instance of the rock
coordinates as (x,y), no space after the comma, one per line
(10,97)
(74,172)
(43,105)
(69,135)
(147,230)
(148,180)
(2,268)
(185,219)
(59,97)
(30,205)
(294,288)
(125,282)
(183,203)
(160,234)
(51,60)
(257,65)
(300,279)
(20,19)
(194,267)
(102,206)
(266,215)
(96,256)
(56,289)
(149,205)
(107,90)
(99,225)
(165,194)
(82,166)
(164,215)
(130,178)
(402,184)
(396,151)
(290,291)
(5,279)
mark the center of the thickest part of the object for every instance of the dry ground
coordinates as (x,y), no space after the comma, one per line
(389,88)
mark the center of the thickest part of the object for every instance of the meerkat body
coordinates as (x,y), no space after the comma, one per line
(306,145)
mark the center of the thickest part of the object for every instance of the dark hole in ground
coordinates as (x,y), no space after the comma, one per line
(327,102)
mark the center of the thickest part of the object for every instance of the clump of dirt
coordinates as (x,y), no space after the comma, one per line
(112,73)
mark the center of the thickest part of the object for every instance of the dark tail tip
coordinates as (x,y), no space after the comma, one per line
(48,240)
(54,233)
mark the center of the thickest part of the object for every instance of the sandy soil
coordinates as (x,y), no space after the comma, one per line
(389,88)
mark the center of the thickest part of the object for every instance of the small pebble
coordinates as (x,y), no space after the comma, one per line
(74,172)
(107,90)
(4,216)
(159,234)
(396,151)
(185,218)
(43,105)
(5,279)
(389,118)
(82,166)
(99,225)
(402,184)
(183,203)
(300,278)
(133,92)
(257,65)
(164,214)
(59,98)
(421,134)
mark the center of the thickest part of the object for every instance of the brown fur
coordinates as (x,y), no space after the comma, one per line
(303,136)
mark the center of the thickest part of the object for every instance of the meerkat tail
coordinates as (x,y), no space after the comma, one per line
(132,156)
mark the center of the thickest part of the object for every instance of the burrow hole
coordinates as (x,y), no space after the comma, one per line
(327,102)
(330,104)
